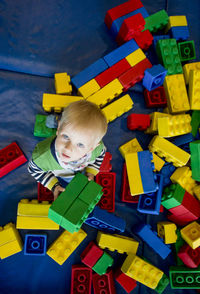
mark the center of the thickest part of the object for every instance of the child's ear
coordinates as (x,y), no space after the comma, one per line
(58,129)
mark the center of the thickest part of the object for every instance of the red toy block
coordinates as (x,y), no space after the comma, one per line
(121,10)
(112,72)
(155,98)
(144,39)
(103,284)
(106,165)
(125,193)
(161,208)
(81,280)
(189,256)
(107,181)
(125,281)
(181,220)
(10,158)
(44,194)
(137,121)
(91,254)
(135,74)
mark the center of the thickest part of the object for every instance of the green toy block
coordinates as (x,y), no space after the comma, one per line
(40,128)
(186,50)
(156,21)
(92,193)
(102,264)
(195,122)
(168,55)
(179,243)
(195,159)
(184,278)
(162,284)
(172,196)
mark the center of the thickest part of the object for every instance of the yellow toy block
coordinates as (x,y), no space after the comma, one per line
(196,191)
(118,107)
(107,93)
(135,57)
(57,102)
(176,21)
(171,152)
(10,241)
(117,242)
(188,67)
(130,147)
(34,215)
(175,125)
(158,162)
(167,231)
(183,177)
(153,129)
(89,88)
(194,89)
(191,234)
(142,271)
(176,93)
(65,245)
(133,171)
(62,83)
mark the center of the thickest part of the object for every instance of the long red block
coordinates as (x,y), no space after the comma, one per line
(81,279)
(144,39)
(125,281)
(10,158)
(137,121)
(181,220)
(107,181)
(44,194)
(104,283)
(189,256)
(106,166)
(125,189)
(91,254)
(155,98)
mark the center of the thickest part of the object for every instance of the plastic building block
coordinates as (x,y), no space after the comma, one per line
(183,140)
(135,57)
(91,254)
(158,162)
(195,159)
(186,51)
(184,278)
(125,193)
(89,88)
(153,129)
(125,281)
(62,83)
(40,128)
(191,234)
(195,122)
(144,39)
(130,147)
(154,77)
(162,284)
(159,37)
(44,194)
(138,121)
(55,102)
(179,243)
(33,215)
(106,166)
(117,242)
(172,196)
(156,21)
(108,182)
(180,220)
(196,191)
(166,172)
(118,108)
(65,245)
(189,256)
(10,158)
(175,125)
(35,244)
(81,280)
(141,271)
(188,67)
(89,73)
(10,241)
(167,231)
(102,264)
(176,21)
(179,33)
(107,93)
(104,283)
(171,152)
(194,88)
(183,176)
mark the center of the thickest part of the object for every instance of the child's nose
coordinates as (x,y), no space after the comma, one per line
(68,146)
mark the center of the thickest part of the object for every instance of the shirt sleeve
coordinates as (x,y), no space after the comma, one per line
(93,168)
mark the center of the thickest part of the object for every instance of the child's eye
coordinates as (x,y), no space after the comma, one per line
(65,137)
(80,145)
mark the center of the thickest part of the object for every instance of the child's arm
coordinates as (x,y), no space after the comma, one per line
(93,168)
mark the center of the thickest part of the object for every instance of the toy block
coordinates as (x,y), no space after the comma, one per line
(117,108)
(196,191)
(81,280)
(180,220)
(175,125)
(91,254)
(179,33)
(152,240)
(135,74)
(154,77)
(184,278)
(195,122)
(167,231)
(125,193)
(44,194)
(108,182)
(130,147)
(158,162)
(191,234)
(135,57)
(179,243)
(112,72)
(153,129)
(33,215)
(62,83)
(156,21)
(183,176)
(65,245)
(172,196)
(134,177)
(195,159)
(162,284)
(183,140)
(144,39)
(105,221)
(168,55)
(35,245)
(120,243)
(10,241)
(89,73)
(107,93)
(142,271)
(127,283)
(194,89)
(176,21)
(171,152)
(137,121)
(189,256)
(40,128)
(11,157)
(106,166)
(104,262)
(89,88)
(188,67)
(159,37)
(55,102)
(104,283)
(186,51)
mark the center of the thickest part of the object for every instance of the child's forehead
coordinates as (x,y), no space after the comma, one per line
(78,134)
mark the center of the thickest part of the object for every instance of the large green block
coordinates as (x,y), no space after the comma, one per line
(156,21)
(40,128)
(195,159)
(172,196)
(195,122)
(184,278)
(103,263)
(92,193)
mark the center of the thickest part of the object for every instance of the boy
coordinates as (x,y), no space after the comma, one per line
(77,146)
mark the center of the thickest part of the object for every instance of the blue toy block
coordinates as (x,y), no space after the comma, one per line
(89,73)
(35,244)
(105,221)
(121,52)
(156,243)
(148,177)
(154,77)
(151,203)
(179,33)
(183,141)
(166,171)
(159,37)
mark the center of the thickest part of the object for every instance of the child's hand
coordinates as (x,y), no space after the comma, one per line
(90,176)
(58,189)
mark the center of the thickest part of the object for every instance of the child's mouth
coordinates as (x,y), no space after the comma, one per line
(65,156)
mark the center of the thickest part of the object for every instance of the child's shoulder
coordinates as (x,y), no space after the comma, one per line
(98,150)
(42,147)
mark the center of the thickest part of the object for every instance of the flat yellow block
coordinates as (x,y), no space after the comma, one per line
(57,102)
(135,57)
(167,231)
(33,207)
(62,83)
(130,147)
(188,67)
(89,88)
(35,223)
(194,89)
(153,129)
(133,171)
(176,21)
(11,248)
(191,234)
(183,177)
(175,125)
